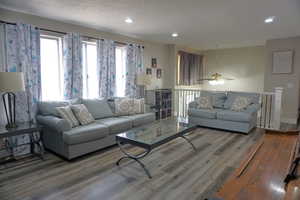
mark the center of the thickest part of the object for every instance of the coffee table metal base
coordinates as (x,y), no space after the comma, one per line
(142,155)
(135,158)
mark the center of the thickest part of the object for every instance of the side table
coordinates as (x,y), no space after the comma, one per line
(25,128)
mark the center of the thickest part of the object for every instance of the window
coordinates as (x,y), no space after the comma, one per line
(120,70)
(90,77)
(189,68)
(51,68)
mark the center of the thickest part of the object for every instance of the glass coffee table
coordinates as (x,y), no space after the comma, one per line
(151,136)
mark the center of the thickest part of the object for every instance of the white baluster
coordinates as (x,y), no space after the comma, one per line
(277,107)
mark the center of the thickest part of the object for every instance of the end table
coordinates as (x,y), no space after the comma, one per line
(25,128)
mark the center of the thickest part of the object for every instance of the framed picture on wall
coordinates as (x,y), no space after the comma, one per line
(282,62)
(149,71)
(158,73)
(153,62)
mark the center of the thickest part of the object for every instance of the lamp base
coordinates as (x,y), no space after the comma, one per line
(11,126)
(9,102)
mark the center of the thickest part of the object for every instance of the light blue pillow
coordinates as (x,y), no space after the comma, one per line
(49,107)
(254,98)
(218,98)
(99,108)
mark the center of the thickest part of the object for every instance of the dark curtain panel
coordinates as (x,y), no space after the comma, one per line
(190,69)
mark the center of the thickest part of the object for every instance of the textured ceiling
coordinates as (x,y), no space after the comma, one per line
(200,23)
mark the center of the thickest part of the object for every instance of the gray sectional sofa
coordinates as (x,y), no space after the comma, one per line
(59,137)
(221,117)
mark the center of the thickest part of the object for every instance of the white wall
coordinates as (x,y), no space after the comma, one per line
(245,65)
(290,82)
(161,53)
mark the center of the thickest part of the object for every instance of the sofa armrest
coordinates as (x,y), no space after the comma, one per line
(253,108)
(193,104)
(55,123)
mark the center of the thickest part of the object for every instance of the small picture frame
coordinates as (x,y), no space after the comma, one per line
(282,62)
(158,73)
(149,71)
(153,62)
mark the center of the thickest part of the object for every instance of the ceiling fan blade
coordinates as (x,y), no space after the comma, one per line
(206,79)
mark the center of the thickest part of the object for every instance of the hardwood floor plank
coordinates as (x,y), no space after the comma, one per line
(178,172)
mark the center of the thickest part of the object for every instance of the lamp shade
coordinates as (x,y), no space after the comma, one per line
(143,79)
(11,82)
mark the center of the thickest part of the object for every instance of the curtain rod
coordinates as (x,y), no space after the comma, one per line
(64,33)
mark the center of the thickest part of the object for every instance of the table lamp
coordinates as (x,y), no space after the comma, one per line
(11,82)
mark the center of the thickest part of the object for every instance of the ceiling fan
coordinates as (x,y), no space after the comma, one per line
(216,79)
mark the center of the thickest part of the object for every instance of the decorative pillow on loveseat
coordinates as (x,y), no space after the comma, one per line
(66,113)
(82,114)
(240,103)
(231,96)
(204,102)
(218,98)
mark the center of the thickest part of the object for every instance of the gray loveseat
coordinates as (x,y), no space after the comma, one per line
(59,137)
(221,117)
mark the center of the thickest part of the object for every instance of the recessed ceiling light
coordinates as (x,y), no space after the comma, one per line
(269,20)
(128,20)
(174,34)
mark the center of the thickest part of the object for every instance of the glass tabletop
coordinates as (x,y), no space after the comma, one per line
(22,128)
(157,131)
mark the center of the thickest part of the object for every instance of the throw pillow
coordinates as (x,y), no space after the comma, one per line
(204,102)
(82,114)
(240,103)
(66,113)
(139,106)
(99,108)
(124,106)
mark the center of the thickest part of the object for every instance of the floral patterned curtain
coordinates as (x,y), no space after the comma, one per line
(134,66)
(72,62)
(106,56)
(22,54)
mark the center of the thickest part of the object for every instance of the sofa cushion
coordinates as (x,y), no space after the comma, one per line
(99,108)
(229,115)
(75,101)
(85,133)
(203,113)
(49,107)
(116,124)
(218,98)
(254,98)
(141,119)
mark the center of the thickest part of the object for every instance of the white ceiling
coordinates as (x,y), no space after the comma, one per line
(201,24)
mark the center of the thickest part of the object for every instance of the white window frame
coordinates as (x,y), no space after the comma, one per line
(85,65)
(123,48)
(58,39)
